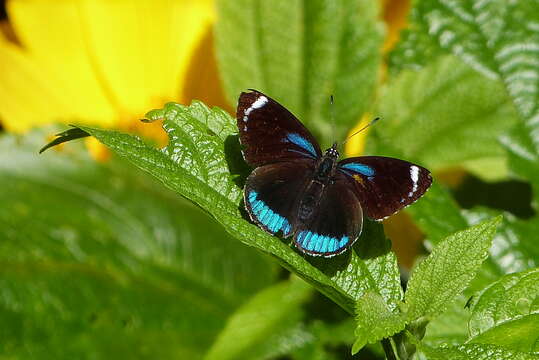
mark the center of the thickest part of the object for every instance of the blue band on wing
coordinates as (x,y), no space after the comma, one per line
(311,241)
(359,168)
(301,142)
(273,221)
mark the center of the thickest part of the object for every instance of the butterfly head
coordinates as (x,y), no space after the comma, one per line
(332,151)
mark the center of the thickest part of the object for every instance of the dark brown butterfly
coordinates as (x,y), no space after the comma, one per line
(310,195)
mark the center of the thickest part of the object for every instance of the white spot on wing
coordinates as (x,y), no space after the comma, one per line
(261,101)
(414,175)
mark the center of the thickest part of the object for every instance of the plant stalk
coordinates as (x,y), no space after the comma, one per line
(388,349)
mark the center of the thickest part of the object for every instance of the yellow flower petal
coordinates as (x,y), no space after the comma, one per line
(27,95)
(54,39)
(105,62)
(202,80)
(142,48)
(7,33)
(97,150)
(356,144)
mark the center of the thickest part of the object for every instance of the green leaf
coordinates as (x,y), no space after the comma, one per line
(514,248)
(523,153)
(507,313)
(524,252)
(450,328)
(519,334)
(375,321)
(197,145)
(498,38)
(99,261)
(437,214)
(64,136)
(191,168)
(439,279)
(330,340)
(435,119)
(475,352)
(268,325)
(519,249)
(314,352)
(301,52)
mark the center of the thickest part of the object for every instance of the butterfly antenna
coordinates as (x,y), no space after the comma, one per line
(332,114)
(360,130)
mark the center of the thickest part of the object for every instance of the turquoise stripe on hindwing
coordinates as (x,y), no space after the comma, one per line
(266,216)
(318,243)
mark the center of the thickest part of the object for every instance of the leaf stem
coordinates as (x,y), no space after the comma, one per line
(388,349)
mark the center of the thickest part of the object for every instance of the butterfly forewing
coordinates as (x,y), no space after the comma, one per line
(385,185)
(270,133)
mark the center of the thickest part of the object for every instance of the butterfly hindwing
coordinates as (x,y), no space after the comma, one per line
(384,185)
(270,133)
(335,223)
(272,193)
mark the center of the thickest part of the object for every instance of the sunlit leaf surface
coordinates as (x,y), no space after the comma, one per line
(507,313)
(440,278)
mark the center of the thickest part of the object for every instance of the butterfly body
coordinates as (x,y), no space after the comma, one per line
(298,191)
(323,176)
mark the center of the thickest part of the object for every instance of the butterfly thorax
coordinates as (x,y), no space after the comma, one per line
(325,167)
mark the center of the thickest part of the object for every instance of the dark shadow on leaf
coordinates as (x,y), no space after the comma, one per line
(239,170)
(343,352)
(330,266)
(512,196)
(244,213)
(373,242)
(320,307)
(368,246)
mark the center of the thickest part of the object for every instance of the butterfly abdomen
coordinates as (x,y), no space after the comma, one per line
(309,200)
(322,176)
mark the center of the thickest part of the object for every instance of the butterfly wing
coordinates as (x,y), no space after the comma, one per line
(270,133)
(384,185)
(272,193)
(335,223)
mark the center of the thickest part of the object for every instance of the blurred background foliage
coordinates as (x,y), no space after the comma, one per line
(99,260)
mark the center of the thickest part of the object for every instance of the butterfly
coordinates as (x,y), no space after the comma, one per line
(299,191)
